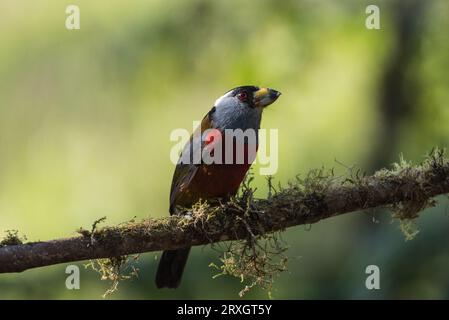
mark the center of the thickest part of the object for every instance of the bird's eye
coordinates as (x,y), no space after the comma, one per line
(243,96)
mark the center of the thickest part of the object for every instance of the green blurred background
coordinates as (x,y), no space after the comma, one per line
(85,119)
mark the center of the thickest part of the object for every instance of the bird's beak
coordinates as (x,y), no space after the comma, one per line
(265,96)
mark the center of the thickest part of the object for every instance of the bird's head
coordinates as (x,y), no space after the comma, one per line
(241,107)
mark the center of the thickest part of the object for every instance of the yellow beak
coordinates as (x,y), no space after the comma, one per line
(265,96)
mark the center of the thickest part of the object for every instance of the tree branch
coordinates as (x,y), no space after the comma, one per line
(406,189)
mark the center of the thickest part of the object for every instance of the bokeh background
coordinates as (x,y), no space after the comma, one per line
(86,115)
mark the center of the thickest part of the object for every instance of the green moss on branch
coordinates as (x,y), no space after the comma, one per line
(405,188)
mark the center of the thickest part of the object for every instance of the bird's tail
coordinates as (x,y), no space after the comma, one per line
(171,266)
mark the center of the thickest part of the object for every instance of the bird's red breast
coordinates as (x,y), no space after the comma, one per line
(216,180)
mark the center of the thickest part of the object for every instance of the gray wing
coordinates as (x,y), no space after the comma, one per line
(184,172)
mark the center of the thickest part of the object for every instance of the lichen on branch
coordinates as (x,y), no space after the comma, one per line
(406,189)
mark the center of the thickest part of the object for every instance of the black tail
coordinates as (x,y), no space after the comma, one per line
(171,266)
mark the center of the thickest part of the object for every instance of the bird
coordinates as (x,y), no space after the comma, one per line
(239,108)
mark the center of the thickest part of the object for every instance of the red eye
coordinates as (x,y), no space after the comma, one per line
(242,96)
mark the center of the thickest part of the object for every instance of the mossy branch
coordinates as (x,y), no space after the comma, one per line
(406,189)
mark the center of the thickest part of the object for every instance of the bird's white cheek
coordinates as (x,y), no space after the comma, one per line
(218,101)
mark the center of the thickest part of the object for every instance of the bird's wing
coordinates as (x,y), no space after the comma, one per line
(184,172)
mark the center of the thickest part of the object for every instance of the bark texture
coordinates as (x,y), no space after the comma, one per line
(406,189)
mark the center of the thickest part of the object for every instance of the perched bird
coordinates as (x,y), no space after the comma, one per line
(239,108)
